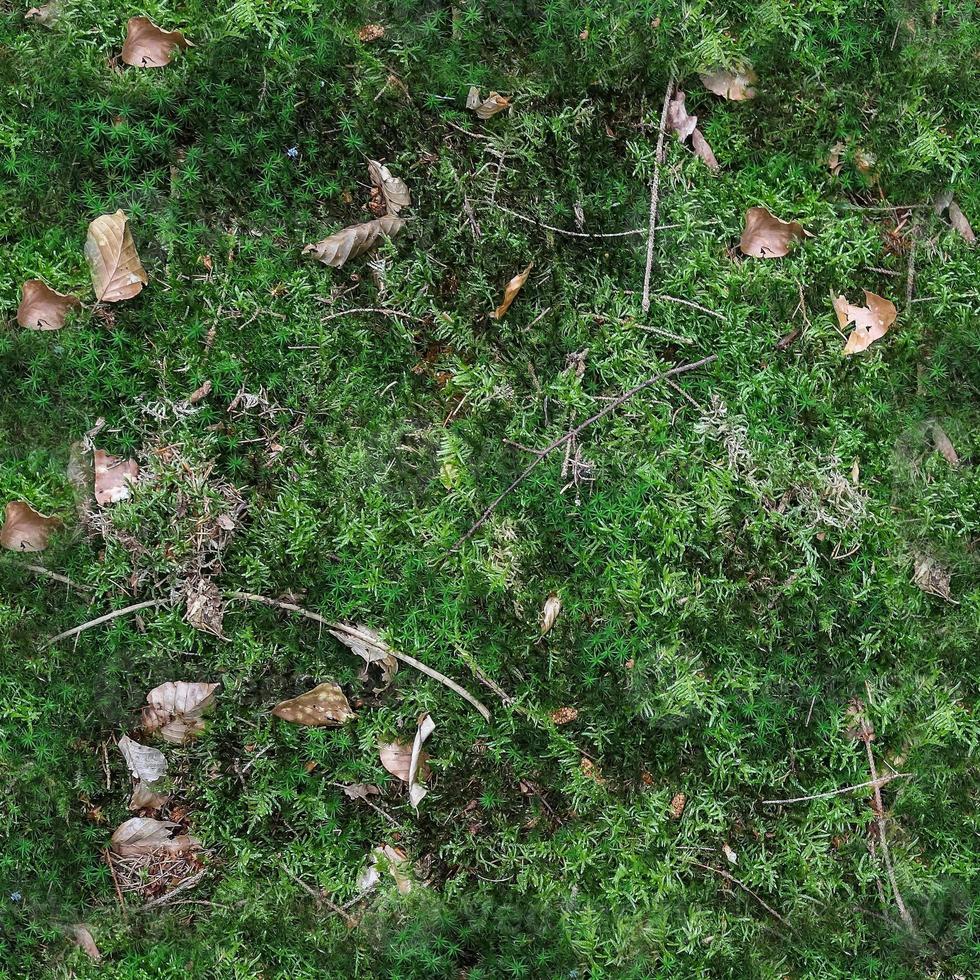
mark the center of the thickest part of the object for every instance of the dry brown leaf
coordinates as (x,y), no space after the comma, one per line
(957,218)
(82,937)
(44,308)
(864,163)
(371,32)
(396,757)
(563,716)
(511,290)
(144,835)
(591,770)
(176,710)
(834,162)
(549,612)
(325,705)
(416,791)
(145,798)
(729,853)
(733,85)
(149,46)
(396,861)
(24,529)
(146,764)
(360,791)
(871,322)
(205,609)
(371,649)
(46,15)
(685,125)
(941,441)
(932,577)
(113,477)
(485,108)
(767,237)
(677,804)
(393,189)
(701,147)
(354,240)
(117,272)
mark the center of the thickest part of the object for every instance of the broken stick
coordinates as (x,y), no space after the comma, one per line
(655,194)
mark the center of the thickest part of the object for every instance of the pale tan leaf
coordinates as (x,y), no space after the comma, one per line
(511,290)
(393,189)
(549,612)
(485,108)
(703,150)
(684,126)
(176,710)
(864,162)
(871,322)
(767,237)
(24,529)
(82,937)
(113,478)
(960,222)
(205,609)
(396,757)
(145,835)
(43,308)
(145,798)
(729,853)
(117,272)
(325,705)
(360,791)
(146,764)
(733,85)
(395,860)
(354,240)
(416,791)
(46,15)
(371,649)
(834,162)
(932,577)
(942,442)
(473,98)
(149,46)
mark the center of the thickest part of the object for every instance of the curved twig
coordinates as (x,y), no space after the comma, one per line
(75,630)
(847,789)
(747,890)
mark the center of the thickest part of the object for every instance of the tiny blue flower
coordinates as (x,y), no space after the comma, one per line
(15,896)
(292,152)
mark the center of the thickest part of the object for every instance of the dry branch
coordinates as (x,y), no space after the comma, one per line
(655,194)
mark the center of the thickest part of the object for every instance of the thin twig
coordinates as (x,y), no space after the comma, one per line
(687,302)
(746,889)
(320,898)
(75,630)
(115,880)
(573,433)
(167,898)
(368,309)
(846,789)
(655,194)
(910,281)
(565,231)
(367,640)
(41,570)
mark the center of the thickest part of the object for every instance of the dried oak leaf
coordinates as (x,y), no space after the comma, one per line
(354,240)
(397,758)
(205,609)
(360,791)
(176,710)
(871,322)
(43,308)
(144,835)
(371,649)
(117,272)
(767,237)
(549,612)
(113,478)
(511,290)
(685,126)
(393,189)
(485,108)
(146,764)
(82,937)
(325,705)
(930,576)
(371,32)
(149,46)
(563,716)
(733,85)
(24,529)
(146,798)
(396,861)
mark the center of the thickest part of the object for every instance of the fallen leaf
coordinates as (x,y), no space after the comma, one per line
(941,441)
(176,710)
(43,308)
(325,705)
(117,272)
(371,649)
(396,862)
(205,609)
(397,757)
(591,770)
(393,189)
(511,290)
(729,853)
(145,798)
(371,32)
(46,15)
(354,240)
(360,791)
(864,162)
(677,804)
(549,612)
(145,835)
(149,46)
(146,764)
(24,529)
(113,478)
(563,716)
(767,237)
(416,791)
(199,393)
(733,85)
(684,126)
(485,108)
(834,162)
(871,322)
(856,470)
(932,577)
(82,937)
(957,218)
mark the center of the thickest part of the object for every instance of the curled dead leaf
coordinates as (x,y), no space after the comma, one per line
(485,108)
(176,710)
(24,529)
(145,835)
(360,791)
(393,189)
(684,126)
(932,577)
(733,85)
(871,322)
(549,612)
(117,272)
(113,478)
(398,757)
(957,218)
(145,798)
(149,46)
(146,764)
(564,716)
(834,162)
(395,860)
(82,937)
(730,855)
(371,649)
(204,609)
(324,706)
(46,15)
(765,236)
(44,308)
(511,290)
(416,791)
(942,442)
(354,240)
